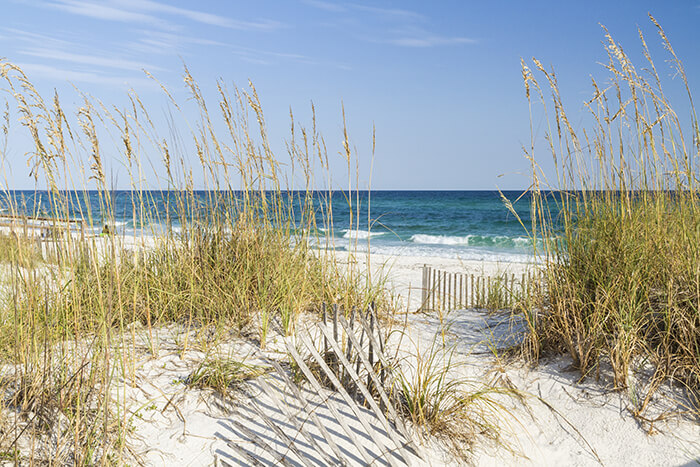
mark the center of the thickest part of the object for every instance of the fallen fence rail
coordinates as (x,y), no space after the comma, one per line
(343,355)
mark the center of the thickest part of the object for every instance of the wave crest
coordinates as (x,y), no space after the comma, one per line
(501,241)
(360,234)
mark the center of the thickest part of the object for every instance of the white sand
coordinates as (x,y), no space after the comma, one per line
(579,423)
(564,421)
(577,420)
(177,425)
(561,422)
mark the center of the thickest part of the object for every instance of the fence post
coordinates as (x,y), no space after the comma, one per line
(438,291)
(424,287)
(371,349)
(444,289)
(448,295)
(348,354)
(454,292)
(433,285)
(471,292)
(482,292)
(325,340)
(335,335)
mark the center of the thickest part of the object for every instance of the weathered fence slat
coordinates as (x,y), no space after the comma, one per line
(279,458)
(361,417)
(352,344)
(363,450)
(370,400)
(282,406)
(291,445)
(379,387)
(306,405)
(245,454)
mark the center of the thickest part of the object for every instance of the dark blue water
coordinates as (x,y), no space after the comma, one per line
(459,224)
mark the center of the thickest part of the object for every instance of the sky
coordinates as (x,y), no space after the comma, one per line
(439,81)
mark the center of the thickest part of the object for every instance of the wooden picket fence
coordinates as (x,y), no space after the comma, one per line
(41,227)
(443,290)
(344,354)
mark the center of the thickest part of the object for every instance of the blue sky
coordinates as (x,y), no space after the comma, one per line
(440,80)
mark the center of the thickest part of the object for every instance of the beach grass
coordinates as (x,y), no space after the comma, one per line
(241,263)
(223,375)
(621,227)
(15,250)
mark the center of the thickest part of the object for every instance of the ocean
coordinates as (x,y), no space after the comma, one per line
(470,225)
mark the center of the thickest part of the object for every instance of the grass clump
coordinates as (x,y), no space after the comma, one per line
(622,228)
(57,413)
(223,375)
(442,403)
(20,251)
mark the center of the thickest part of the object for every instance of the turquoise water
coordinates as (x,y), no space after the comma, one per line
(472,225)
(457,224)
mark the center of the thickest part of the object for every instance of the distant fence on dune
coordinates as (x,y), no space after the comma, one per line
(43,227)
(443,290)
(47,234)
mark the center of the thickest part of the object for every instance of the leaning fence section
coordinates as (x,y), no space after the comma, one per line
(444,290)
(343,354)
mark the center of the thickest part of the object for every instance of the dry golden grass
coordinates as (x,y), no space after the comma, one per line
(242,261)
(432,391)
(622,233)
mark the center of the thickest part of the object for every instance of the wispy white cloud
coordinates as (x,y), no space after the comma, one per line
(389,12)
(150,12)
(94,61)
(266,57)
(323,5)
(429,40)
(36,70)
(168,43)
(104,11)
(37,39)
(344,7)
(161,42)
(65,57)
(394,26)
(199,16)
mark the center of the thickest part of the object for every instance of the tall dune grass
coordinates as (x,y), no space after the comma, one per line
(622,256)
(241,262)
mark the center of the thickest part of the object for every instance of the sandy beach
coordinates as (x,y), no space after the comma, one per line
(467,264)
(557,420)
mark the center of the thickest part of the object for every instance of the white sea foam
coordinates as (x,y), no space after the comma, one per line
(440,239)
(498,241)
(522,241)
(360,234)
(469,254)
